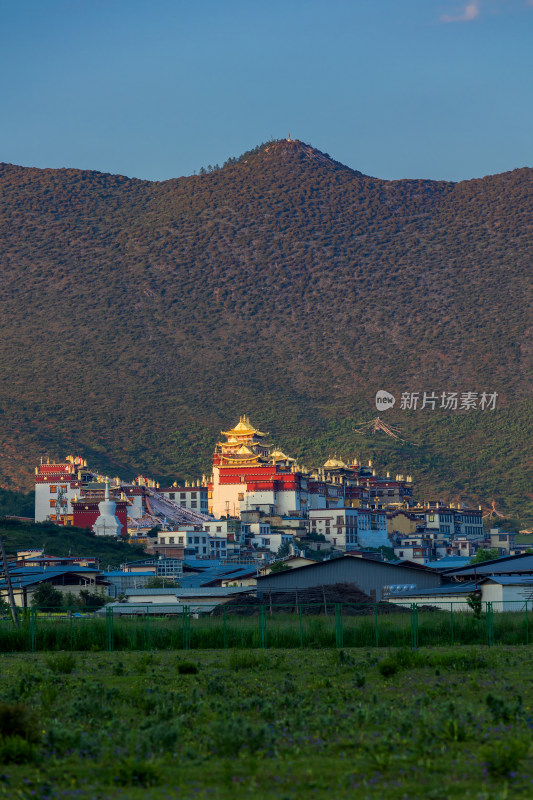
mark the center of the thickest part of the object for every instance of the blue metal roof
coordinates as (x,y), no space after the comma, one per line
(449,562)
(202,563)
(505,580)
(117,573)
(222,571)
(504,565)
(26,576)
(447,589)
(216,591)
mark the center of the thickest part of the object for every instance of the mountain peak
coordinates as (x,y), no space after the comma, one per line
(292,149)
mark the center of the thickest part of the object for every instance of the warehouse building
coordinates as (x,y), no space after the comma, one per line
(372,577)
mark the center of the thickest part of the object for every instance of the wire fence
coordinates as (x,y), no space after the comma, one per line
(324,625)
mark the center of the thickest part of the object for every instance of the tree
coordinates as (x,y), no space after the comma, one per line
(161,583)
(474,602)
(284,550)
(91,600)
(485,555)
(279,566)
(47,597)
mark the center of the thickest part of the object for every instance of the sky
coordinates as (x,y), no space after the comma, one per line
(156,89)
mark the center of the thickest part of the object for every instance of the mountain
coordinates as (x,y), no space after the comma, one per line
(139,318)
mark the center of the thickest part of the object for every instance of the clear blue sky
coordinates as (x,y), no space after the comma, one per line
(158,88)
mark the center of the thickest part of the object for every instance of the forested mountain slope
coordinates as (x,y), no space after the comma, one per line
(138,318)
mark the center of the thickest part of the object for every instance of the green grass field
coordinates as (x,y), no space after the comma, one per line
(391,723)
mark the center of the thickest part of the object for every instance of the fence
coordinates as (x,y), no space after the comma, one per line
(267,625)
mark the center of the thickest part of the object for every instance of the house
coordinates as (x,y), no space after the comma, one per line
(161,566)
(272,541)
(26,580)
(350,528)
(446,597)
(414,550)
(118,581)
(508,592)
(504,543)
(292,562)
(504,592)
(192,497)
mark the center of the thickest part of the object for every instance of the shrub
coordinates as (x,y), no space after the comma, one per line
(388,667)
(61,664)
(18,721)
(63,738)
(344,659)
(505,756)
(144,661)
(118,668)
(187,668)
(501,710)
(232,736)
(16,750)
(132,771)
(246,659)
(162,737)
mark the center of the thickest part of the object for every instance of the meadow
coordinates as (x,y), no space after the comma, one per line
(398,723)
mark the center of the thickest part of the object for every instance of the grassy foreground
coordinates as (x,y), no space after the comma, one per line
(435,723)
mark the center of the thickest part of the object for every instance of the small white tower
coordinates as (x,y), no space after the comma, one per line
(107,524)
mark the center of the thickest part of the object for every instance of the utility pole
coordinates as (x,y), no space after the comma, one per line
(8,584)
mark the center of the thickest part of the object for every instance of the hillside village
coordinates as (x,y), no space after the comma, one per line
(260,522)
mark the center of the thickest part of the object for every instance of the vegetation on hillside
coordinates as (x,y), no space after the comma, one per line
(66,541)
(16,503)
(139,319)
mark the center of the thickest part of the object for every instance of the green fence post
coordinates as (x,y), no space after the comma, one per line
(262,626)
(451,623)
(338,625)
(32,620)
(414,626)
(489,623)
(527,625)
(186,629)
(224,624)
(109,629)
(147,628)
(376,624)
(301,628)
(70,627)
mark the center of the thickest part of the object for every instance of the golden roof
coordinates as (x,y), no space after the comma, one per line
(335,462)
(279,455)
(243,428)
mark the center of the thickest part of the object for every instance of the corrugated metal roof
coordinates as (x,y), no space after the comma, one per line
(506,580)
(449,562)
(158,608)
(448,589)
(215,591)
(23,579)
(116,573)
(521,563)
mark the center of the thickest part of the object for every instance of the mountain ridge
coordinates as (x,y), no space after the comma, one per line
(282,284)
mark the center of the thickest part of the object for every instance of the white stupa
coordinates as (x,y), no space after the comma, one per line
(107,524)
